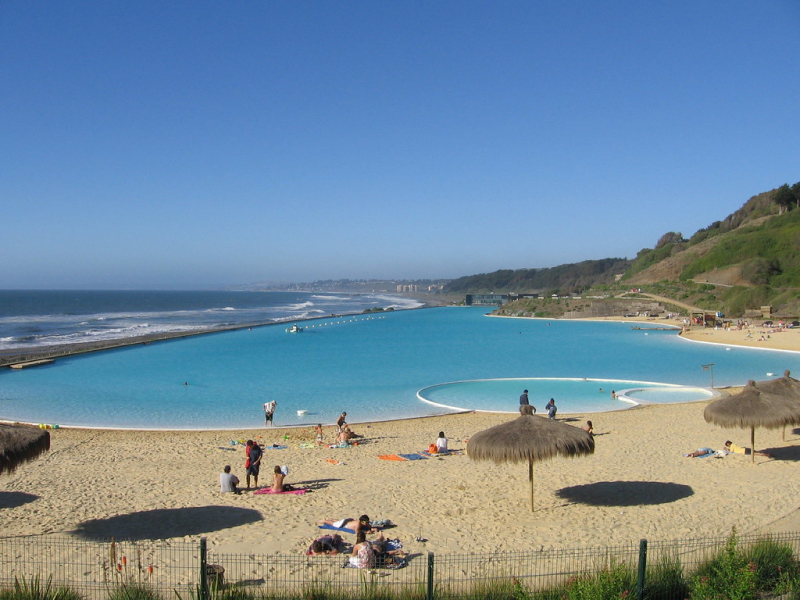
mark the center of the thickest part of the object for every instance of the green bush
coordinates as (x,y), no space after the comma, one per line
(666,581)
(34,589)
(727,576)
(613,583)
(774,563)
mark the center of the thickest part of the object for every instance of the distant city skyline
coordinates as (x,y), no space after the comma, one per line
(207,145)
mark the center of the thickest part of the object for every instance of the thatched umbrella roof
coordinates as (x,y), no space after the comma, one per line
(784,386)
(529,438)
(19,443)
(754,407)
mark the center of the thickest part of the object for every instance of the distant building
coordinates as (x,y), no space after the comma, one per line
(407,287)
(485,299)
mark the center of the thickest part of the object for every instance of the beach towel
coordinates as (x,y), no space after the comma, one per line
(306,445)
(391,457)
(268,490)
(333,461)
(275,447)
(326,526)
(414,456)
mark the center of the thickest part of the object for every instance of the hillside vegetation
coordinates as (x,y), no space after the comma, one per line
(747,260)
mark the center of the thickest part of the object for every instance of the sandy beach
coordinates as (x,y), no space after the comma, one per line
(637,484)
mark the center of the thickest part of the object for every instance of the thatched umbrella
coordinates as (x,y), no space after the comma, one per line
(753,407)
(529,438)
(19,443)
(785,386)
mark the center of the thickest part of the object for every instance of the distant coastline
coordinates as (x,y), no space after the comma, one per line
(31,354)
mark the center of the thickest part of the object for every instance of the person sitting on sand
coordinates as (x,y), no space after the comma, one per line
(731,447)
(345,435)
(363,555)
(589,427)
(700,452)
(441,443)
(326,544)
(383,556)
(277,479)
(228,481)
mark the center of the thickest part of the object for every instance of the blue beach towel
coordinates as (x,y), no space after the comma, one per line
(326,526)
(415,456)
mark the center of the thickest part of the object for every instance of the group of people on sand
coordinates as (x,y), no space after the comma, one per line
(525,406)
(228,482)
(364,554)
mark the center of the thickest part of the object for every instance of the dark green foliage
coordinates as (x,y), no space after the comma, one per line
(773,562)
(727,576)
(566,278)
(666,581)
(647,258)
(133,592)
(34,589)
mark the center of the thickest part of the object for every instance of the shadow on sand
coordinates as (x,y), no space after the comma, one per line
(167,523)
(625,493)
(15,499)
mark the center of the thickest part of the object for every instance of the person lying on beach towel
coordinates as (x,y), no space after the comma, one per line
(701,453)
(731,447)
(326,544)
(348,523)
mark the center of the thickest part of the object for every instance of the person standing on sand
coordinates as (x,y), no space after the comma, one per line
(523,401)
(341,421)
(254,454)
(269,412)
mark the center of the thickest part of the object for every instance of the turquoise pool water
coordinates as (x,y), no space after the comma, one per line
(371,367)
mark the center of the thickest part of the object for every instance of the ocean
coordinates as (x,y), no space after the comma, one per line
(37,319)
(378,366)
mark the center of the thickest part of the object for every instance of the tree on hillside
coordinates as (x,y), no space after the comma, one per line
(784,197)
(671,237)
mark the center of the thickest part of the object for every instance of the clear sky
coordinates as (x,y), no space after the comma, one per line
(198,144)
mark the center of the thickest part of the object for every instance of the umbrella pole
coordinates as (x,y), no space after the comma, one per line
(752,444)
(530,478)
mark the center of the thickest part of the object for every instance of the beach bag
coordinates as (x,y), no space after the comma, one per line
(432,449)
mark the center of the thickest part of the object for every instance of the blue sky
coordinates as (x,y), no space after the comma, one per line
(201,144)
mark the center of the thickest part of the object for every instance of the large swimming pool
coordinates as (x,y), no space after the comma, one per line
(373,367)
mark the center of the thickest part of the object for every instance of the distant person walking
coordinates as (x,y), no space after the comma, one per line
(523,401)
(551,409)
(269,412)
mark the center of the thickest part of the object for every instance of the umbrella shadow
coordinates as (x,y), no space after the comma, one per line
(625,493)
(167,523)
(15,499)
(784,453)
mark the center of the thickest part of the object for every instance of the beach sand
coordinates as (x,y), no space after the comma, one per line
(637,484)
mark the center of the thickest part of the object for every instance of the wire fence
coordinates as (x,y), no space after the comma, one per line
(188,571)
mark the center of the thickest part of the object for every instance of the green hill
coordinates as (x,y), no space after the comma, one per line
(749,259)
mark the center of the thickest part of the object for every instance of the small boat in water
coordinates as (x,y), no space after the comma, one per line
(294,329)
